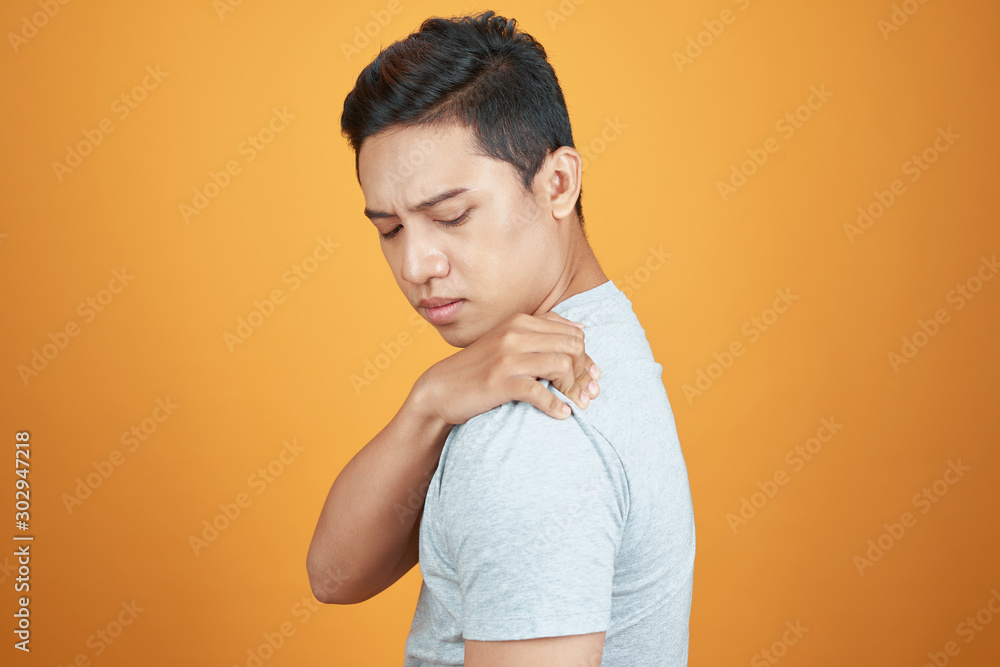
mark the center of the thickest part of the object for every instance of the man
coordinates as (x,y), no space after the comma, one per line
(545,538)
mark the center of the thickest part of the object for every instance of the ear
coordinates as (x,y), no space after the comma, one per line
(563,170)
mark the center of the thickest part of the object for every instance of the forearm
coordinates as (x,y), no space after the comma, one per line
(369,515)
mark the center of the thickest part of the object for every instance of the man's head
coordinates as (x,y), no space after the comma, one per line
(468,103)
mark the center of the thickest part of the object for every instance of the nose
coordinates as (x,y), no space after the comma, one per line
(422,257)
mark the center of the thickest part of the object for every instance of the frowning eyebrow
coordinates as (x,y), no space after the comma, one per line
(433,201)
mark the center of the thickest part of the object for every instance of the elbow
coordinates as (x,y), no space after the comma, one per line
(323,595)
(318,582)
(318,591)
(329,584)
(333,596)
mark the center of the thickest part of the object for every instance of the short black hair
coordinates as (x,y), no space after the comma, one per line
(479,71)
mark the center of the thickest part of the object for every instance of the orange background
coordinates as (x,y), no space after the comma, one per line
(653,184)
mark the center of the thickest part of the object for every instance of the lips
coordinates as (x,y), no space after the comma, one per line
(445,313)
(436,302)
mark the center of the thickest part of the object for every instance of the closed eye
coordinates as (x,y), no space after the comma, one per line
(451,223)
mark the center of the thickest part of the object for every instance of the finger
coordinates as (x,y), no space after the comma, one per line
(568,376)
(532,391)
(592,367)
(542,335)
(523,335)
(556,317)
(558,369)
(584,368)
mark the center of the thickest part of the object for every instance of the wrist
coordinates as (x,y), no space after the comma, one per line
(421,404)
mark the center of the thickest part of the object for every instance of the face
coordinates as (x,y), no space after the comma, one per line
(454,225)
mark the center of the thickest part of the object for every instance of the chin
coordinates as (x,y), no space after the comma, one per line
(458,337)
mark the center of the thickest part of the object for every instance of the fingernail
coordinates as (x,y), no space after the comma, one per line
(595,372)
(592,388)
(584,399)
(565,409)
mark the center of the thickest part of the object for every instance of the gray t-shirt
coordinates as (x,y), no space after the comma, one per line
(540,527)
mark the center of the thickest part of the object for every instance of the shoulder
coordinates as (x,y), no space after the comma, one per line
(519,430)
(520,457)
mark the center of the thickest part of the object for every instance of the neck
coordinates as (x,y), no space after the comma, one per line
(582,273)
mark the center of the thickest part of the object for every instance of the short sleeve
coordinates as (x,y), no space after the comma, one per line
(535,511)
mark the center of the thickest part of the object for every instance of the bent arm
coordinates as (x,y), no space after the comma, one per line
(367,534)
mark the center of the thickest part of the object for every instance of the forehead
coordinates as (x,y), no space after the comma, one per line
(408,162)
